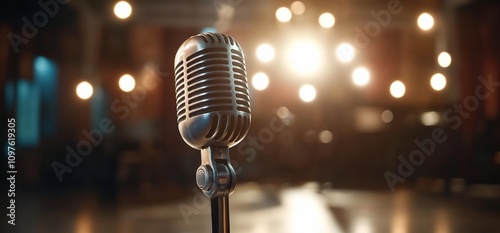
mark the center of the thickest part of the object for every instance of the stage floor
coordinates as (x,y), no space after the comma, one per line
(269,208)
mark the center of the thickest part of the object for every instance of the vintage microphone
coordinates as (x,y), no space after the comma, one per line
(213,112)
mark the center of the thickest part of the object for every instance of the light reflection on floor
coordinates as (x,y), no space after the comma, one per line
(362,225)
(84,223)
(259,208)
(400,214)
(442,221)
(306,211)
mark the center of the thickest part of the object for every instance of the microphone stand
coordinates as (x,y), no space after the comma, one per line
(217,178)
(220,214)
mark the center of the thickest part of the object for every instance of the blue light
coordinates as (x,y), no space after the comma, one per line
(208,29)
(42,64)
(28,114)
(99,106)
(45,76)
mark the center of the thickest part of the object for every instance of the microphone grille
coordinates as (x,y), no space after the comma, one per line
(212,90)
(225,67)
(179,92)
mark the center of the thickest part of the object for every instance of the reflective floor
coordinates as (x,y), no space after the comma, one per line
(269,208)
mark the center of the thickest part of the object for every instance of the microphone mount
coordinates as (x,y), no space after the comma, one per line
(216,178)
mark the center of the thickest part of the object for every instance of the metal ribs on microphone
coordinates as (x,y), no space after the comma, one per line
(210,81)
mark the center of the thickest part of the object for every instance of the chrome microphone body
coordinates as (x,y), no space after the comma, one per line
(213,112)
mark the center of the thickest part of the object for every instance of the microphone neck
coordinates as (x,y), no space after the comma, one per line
(215,152)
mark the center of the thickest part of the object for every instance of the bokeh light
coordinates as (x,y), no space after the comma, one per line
(397,89)
(260,81)
(360,76)
(387,116)
(326,20)
(307,93)
(84,90)
(265,52)
(425,21)
(304,57)
(298,7)
(429,118)
(126,83)
(285,115)
(283,112)
(122,9)
(438,82)
(444,59)
(345,52)
(325,136)
(283,14)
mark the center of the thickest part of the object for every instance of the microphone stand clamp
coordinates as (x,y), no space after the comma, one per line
(216,178)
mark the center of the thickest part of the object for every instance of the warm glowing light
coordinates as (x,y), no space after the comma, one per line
(84,223)
(122,9)
(438,82)
(362,225)
(127,83)
(304,57)
(397,89)
(442,219)
(345,52)
(360,76)
(325,136)
(265,52)
(425,21)
(285,115)
(283,112)
(367,119)
(260,81)
(283,14)
(307,93)
(400,219)
(387,116)
(298,7)
(326,20)
(429,118)
(84,90)
(444,59)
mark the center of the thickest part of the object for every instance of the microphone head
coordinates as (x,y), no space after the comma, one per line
(213,103)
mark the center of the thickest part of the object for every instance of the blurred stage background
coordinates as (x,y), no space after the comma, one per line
(367,116)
